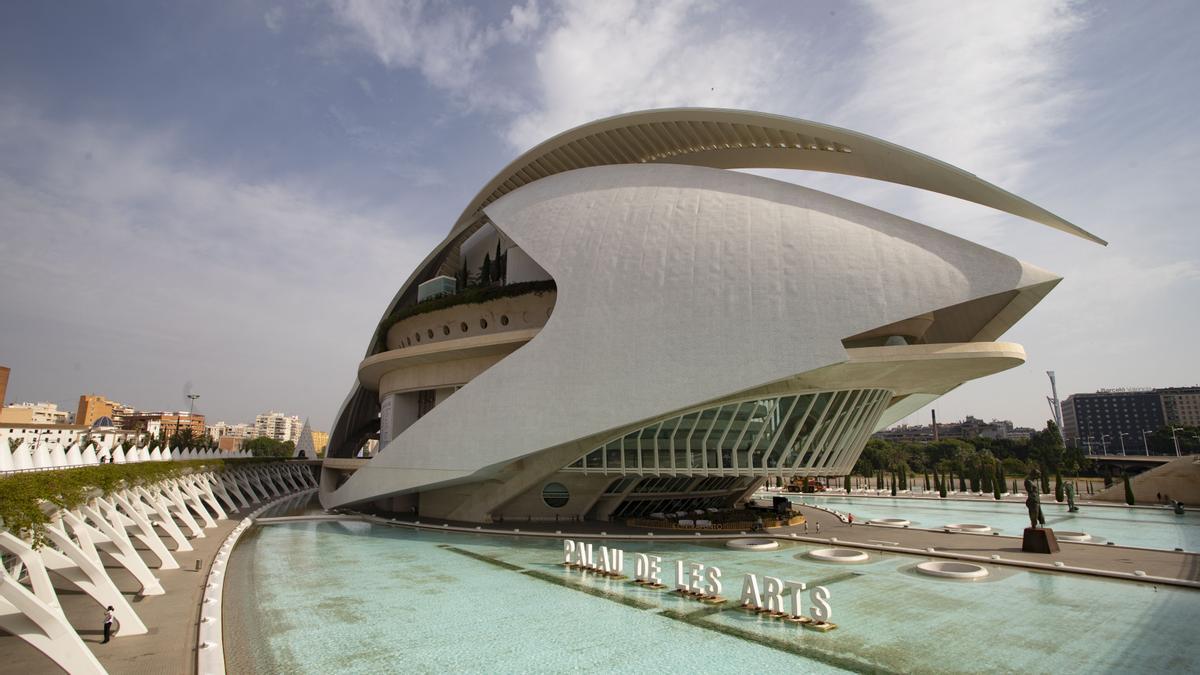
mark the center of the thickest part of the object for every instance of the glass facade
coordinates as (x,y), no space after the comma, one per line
(800,434)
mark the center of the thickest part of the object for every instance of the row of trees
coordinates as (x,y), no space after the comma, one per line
(493,271)
(978,464)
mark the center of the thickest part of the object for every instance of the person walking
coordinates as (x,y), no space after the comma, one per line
(818,527)
(108,622)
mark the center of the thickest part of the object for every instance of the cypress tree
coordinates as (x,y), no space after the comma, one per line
(941,487)
(879,480)
(999,479)
(893,483)
(975,480)
(926,484)
(903,477)
(847,483)
(962,483)
(485,270)
(1128,490)
(1058,486)
(996,485)
(1045,474)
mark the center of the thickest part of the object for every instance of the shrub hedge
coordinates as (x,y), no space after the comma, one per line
(22,494)
(473,295)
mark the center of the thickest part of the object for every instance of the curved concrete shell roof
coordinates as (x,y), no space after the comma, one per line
(736,139)
(739,139)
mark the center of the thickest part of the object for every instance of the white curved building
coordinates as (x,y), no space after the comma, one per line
(643,330)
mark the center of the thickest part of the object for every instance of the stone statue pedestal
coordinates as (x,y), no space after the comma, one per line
(1039,540)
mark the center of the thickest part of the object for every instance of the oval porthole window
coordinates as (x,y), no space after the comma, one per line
(418,336)
(430,331)
(503,319)
(555,495)
(483,323)
(445,330)
(463,326)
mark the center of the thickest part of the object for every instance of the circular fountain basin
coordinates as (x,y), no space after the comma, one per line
(952,569)
(753,544)
(838,555)
(1072,536)
(890,522)
(973,528)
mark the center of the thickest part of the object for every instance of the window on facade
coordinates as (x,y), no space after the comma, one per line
(555,495)
(425,401)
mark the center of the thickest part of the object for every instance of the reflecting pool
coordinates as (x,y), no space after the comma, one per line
(350,597)
(1149,528)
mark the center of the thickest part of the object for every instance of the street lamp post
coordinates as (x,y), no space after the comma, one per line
(1146,442)
(1176,439)
(191,409)
(1123,435)
(1103,443)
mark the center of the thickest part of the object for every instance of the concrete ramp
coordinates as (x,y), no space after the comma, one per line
(1179,478)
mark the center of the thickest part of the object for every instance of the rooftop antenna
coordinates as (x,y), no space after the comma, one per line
(1056,407)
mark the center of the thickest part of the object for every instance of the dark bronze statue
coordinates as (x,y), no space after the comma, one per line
(1033,501)
(1071,498)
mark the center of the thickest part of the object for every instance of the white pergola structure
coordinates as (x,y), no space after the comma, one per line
(113,525)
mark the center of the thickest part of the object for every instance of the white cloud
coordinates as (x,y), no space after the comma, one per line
(978,85)
(126,255)
(604,58)
(447,44)
(523,21)
(273,18)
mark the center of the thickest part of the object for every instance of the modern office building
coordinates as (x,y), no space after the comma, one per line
(1181,406)
(1111,421)
(634,327)
(224,430)
(278,426)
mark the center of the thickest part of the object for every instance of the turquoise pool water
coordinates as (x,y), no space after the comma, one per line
(1149,528)
(355,598)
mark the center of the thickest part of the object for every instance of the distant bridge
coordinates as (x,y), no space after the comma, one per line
(1115,458)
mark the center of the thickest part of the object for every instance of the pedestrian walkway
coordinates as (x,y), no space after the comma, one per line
(172,619)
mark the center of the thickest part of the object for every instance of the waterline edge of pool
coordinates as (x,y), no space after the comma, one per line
(792,537)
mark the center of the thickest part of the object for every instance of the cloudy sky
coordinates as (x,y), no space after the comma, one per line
(223,199)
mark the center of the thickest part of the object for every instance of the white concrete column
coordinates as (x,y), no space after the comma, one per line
(194,501)
(175,497)
(71,562)
(159,504)
(143,531)
(114,541)
(36,616)
(229,480)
